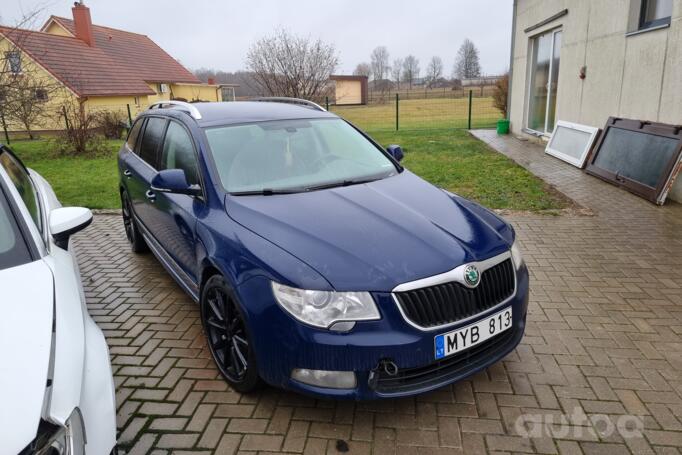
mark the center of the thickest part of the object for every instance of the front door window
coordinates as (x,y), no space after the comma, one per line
(543,82)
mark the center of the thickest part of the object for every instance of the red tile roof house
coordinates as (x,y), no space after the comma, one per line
(104,68)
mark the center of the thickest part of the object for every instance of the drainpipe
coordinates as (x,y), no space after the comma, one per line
(511,61)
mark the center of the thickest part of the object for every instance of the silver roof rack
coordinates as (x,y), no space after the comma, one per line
(285,99)
(190,108)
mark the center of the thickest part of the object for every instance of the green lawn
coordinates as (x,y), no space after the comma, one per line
(419,114)
(89,182)
(451,159)
(458,162)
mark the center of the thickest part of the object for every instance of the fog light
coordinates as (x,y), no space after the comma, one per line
(322,378)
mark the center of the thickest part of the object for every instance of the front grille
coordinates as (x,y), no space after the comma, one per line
(451,302)
(409,379)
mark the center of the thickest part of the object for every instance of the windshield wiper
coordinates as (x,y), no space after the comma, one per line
(271,191)
(347,182)
(267,192)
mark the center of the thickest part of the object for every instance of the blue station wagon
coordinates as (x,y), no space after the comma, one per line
(320,264)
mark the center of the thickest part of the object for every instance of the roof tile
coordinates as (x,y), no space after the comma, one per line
(120,63)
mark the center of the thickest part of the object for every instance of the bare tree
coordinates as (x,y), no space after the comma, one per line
(363,69)
(410,69)
(10,41)
(25,88)
(284,64)
(434,70)
(81,135)
(467,65)
(245,81)
(379,63)
(13,72)
(396,71)
(26,101)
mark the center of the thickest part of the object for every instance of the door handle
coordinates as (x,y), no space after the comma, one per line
(150,195)
(127,173)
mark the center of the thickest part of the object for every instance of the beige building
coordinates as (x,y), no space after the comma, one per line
(629,54)
(585,60)
(349,90)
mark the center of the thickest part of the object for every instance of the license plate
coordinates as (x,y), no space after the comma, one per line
(471,335)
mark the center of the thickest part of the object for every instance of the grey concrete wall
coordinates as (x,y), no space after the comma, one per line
(636,76)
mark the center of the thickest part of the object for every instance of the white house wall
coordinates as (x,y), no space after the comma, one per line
(637,76)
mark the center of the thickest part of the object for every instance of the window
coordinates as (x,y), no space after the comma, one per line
(655,13)
(178,153)
(41,94)
(22,182)
(13,249)
(227,93)
(14,61)
(544,77)
(162,88)
(133,134)
(149,146)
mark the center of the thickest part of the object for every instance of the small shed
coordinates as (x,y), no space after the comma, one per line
(349,90)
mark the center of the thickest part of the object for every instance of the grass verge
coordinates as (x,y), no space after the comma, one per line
(437,113)
(460,163)
(87,182)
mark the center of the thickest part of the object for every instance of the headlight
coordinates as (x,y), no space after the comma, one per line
(324,308)
(517,257)
(58,440)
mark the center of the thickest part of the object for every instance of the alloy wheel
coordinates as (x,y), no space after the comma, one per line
(226,334)
(128,219)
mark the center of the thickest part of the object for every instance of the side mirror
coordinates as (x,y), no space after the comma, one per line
(395,151)
(174,181)
(66,221)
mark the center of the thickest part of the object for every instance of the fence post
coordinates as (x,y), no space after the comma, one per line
(469,119)
(397,111)
(130,117)
(4,127)
(326,100)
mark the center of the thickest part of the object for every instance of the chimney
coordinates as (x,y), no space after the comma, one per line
(211,81)
(83,23)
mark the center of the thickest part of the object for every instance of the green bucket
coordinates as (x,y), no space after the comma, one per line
(503,126)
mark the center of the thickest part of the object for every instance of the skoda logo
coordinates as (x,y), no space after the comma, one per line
(472,276)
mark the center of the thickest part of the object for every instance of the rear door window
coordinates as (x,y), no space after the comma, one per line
(178,152)
(24,185)
(13,248)
(133,134)
(151,140)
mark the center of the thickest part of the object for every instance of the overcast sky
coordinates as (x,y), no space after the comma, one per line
(217,34)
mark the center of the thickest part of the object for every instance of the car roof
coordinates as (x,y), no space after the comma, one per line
(235,112)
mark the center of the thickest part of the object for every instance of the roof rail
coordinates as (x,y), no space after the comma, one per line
(190,108)
(285,99)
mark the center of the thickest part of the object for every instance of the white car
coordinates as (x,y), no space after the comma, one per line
(56,386)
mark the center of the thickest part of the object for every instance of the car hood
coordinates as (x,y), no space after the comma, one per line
(373,236)
(25,346)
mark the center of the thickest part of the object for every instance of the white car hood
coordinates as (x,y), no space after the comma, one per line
(27,305)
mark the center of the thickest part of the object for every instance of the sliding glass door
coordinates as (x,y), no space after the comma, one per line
(544,75)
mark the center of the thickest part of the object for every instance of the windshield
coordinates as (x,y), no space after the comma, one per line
(13,250)
(294,155)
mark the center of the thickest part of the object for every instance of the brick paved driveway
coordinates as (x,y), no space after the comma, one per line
(604,338)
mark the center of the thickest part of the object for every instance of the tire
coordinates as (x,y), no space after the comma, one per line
(137,243)
(229,338)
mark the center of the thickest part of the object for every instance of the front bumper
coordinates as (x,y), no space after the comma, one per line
(282,344)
